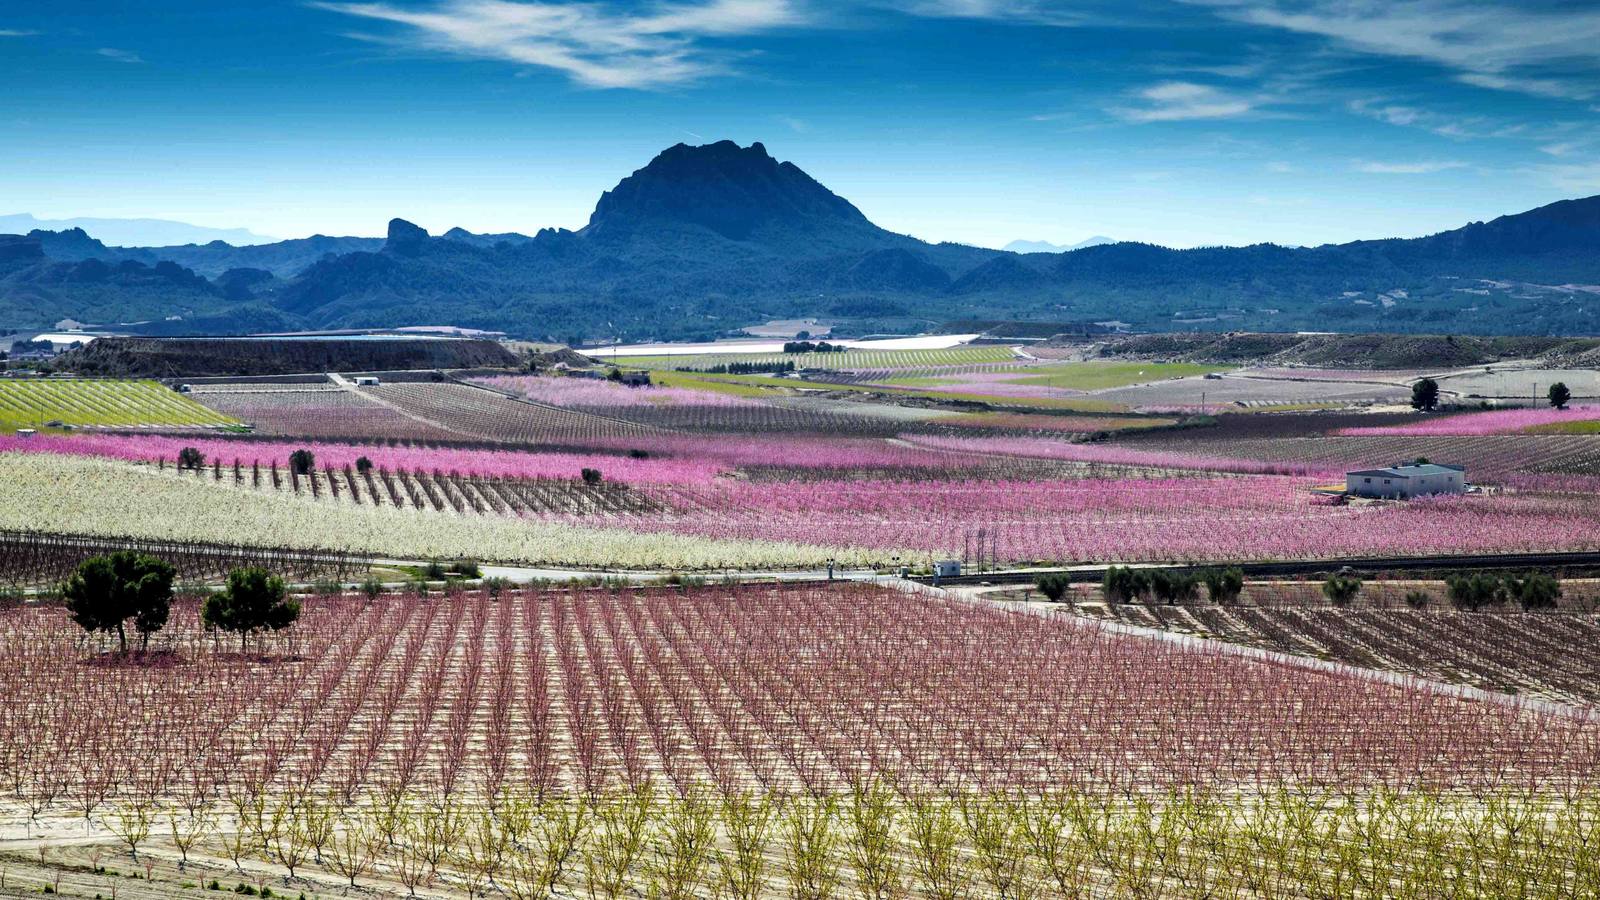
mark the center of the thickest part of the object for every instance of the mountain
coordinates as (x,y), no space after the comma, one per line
(1047,247)
(136,232)
(704,240)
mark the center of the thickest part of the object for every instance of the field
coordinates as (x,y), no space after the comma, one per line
(736,695)
(847,360)
(766,741)
(36,403)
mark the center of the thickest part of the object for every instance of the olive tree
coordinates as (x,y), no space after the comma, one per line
(106,591)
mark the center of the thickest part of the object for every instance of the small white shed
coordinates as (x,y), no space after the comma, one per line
(366,381)
(947,568)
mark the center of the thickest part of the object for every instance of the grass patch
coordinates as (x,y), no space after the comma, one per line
(1587,426)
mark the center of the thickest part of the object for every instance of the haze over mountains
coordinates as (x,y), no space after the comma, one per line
(1047,247)
(707,239)
(135,232)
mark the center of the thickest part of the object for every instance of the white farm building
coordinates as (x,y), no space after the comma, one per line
(1405,481)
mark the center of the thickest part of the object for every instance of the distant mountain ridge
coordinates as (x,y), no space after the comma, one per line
(135,232)
(707,239)
(1047,247)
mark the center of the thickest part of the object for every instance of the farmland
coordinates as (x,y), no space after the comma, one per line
(704,711)
(547,742)
(93,404)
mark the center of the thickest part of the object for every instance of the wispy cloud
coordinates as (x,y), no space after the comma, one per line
(1422,167)
(605,45)
(1551,50)
(1037,11)
(1176,101)
(16,32)
(121,56)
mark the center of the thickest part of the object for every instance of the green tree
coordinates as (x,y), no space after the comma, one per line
(301,462)
(1224,585)
(1474,592)
(1340,589)
(191,458)
(1122,584)
(1534,591)
(363,465)
(254,600)
(1425,394)
(106,591)
(1053,585)
(1559,395)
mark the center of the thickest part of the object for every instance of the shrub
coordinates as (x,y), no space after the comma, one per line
(1223,585)
(363,465)
(1123,584)
(190,458)
(302,461)
(1535,591)
(1170,586)
(1418,599)
(372,587)
(467,568)
(591,476)
(434,570)
(1053,585)
(1474,592)
(1340,589)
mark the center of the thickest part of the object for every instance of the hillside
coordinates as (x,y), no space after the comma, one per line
(1356,351)
(707,239)
(194,358)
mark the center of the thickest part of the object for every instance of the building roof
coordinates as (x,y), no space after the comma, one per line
(1412,471)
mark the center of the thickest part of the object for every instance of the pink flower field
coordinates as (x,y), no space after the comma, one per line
(1088,520)
(1495,421)
(1113,454)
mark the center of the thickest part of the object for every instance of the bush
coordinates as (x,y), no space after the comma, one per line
(1054,586)
(1418,599)
(466,568)
(495,585)
(302,461)
(1533,592)
(1474,592)
(191,458)
(1170,586)
(363,465)
(434,570)
(1341,589)
(1223,585)
(372,587)
(1123,584)
(591,476)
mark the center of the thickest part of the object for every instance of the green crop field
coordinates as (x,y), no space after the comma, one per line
(32,403)
(850,359)
(1094,376)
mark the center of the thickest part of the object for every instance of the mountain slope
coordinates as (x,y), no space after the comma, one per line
(707,239)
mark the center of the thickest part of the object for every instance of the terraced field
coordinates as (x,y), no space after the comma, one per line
(94,403)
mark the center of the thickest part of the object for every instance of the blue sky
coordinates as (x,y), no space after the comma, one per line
(980,121)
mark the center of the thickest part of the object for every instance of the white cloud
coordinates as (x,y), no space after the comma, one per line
(1423,167)
(121,56)
(606,45)
(1176,101)
(1541,87)
(1564,148)
(1491,44)
(1578,178)
(1038,11)
(16,32)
